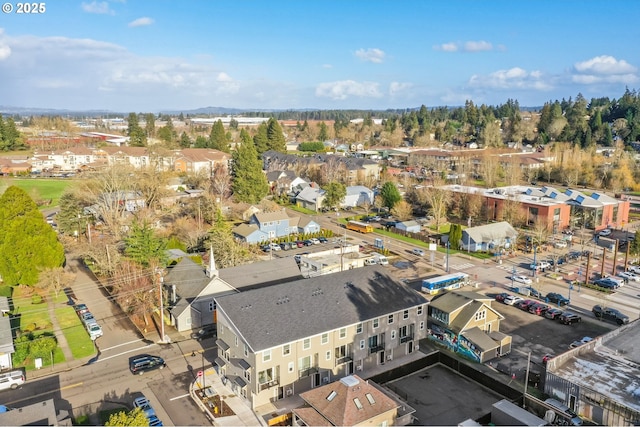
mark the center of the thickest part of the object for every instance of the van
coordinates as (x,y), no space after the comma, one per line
(370,261)
(11,380)
(382,260)
(565,410)
(145,362)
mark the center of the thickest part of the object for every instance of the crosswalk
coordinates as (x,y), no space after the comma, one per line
(464,266)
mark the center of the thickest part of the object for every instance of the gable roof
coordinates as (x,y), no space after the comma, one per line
(245,230)
(336,402)
(269,317)
(271,216)
(310,194)
(465,303)
(489,232)
(480,339)
(259,274)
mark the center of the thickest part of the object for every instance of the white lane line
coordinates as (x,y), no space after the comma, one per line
(102,359)
(120,345)
(179,397)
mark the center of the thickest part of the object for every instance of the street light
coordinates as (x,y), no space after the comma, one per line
(160,283)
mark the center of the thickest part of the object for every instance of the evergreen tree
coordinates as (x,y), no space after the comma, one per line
(150,125)
(455,236)
(218,138)
(260,139)
(323,135)
(185,141)
(167,133)
(275,136)
(27,243)
(335,192)
(71,218)
(390,195)
(137,136)
(144,247)
(249,183)
(201,142)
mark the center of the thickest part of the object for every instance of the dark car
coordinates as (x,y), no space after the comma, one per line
(569,318)
(142,363)
(323,239)
(557,299)
(501,296)
(285,246)
(538,309)
(610,314)
(524,305)
(606,283)
(574,255)
(307,242)
(533,292)
(80,309)
(207,331)
(553,313)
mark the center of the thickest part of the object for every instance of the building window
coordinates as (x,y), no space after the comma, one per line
(236,340)
(422,326)
(393,334)
(306,344)
(440,315)
(266,356)
(327,355)
(286,349)
(212,306)
(359,328)
(324,339)
(290,367)
(482,314)
(266,376)
(247,375)
(405,314)
(246,350)
(390,319)
(419,312)
(343,333)
(361,344)
(375,323)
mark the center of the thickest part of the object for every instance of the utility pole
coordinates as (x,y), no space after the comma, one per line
(526,381)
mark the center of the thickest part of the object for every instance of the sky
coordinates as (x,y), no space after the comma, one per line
(159,55)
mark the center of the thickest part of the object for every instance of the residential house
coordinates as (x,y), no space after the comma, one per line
(191,288)
(600,380)
(489,237)
(6,336)
(284,182)
(196,160)
(466,323)
(409,226)
(296,336)
(357,195)
(14,167)
(263,227)
(351,401)
(42,413)
(311,198)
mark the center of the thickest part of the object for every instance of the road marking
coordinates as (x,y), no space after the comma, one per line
(120,345)
(102,359)
(71,386)
(179,397)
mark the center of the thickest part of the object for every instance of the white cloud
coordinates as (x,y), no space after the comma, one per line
(468,46)
(398,88)
(5,51)
(477,46)
(604,69)
(344,89)
(327,66)
(513,78)
(101,8)
(141,22)
(371,55)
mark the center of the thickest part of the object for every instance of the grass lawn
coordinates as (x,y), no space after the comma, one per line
(77,337)
(34,315)
(39,188)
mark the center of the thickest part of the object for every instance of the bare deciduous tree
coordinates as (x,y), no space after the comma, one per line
(55,279)
(134,290)
(402,210)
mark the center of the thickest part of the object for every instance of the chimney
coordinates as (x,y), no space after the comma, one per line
(212,271)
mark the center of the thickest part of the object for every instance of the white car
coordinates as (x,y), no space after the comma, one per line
(315,241)
(521,279)
(512,299)
(605,232)
(634,269)
(627,275)
(560,244)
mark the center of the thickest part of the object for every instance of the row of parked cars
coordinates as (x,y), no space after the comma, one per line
(285,246)
(90,323)
(143,403)
(541,309)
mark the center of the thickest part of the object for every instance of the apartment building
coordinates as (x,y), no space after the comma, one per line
(285,339)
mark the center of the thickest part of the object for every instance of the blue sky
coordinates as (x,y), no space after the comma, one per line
(135,55)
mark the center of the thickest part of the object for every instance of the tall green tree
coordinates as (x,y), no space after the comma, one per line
(275,136)
(167,133)
(71,219)
(455,236)
(334,194)
(135,417)
(390,194)
(137,135)
(27,243)
(144,247)
(218,138)
(323,134)
(249,183)
(185,141)
(261,139)
(150,125)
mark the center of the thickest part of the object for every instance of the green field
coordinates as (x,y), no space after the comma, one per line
(40,189)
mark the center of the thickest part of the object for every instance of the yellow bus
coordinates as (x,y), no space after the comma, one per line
(359,226)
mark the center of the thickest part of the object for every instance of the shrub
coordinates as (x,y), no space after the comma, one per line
(36,299)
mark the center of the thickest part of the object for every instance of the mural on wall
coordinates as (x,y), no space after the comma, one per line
(454,343)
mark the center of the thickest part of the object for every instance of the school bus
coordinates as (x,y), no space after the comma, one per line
(359,226)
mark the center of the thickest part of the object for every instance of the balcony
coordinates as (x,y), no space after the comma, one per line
(307,372)
(343,360)
(376,349)
(274,382)
(406,338)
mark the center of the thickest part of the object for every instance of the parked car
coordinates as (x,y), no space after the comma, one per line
(610,314)
(501,296)
(314,241)
(629,276)
(521,279)
(634,269)
(94,330)
(87,317)
(538,309)
(553,313)
(323,239)
(275,246)
(285,246)
(533,292)
(560,244)
(573,418)
(604,233)
(144,404)
(583,341)
(11,379)
(557,299)
(574,255)
(307,242)
(512,299)
(606,283)
(145,362)
(206,331)
(299,243)
(569,318)
(524,304)
(154,421)
(80,308)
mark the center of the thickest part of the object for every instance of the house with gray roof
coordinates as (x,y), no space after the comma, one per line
(296,336)
(490,237)
(192,288)
(6,342)
(263,227)
(409,226)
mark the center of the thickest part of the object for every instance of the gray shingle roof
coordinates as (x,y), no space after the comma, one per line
(271,316)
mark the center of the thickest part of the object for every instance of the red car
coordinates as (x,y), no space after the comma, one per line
(501,296)
(524,305)
(538,309)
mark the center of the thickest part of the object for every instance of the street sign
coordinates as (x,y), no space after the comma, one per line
(199,373)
